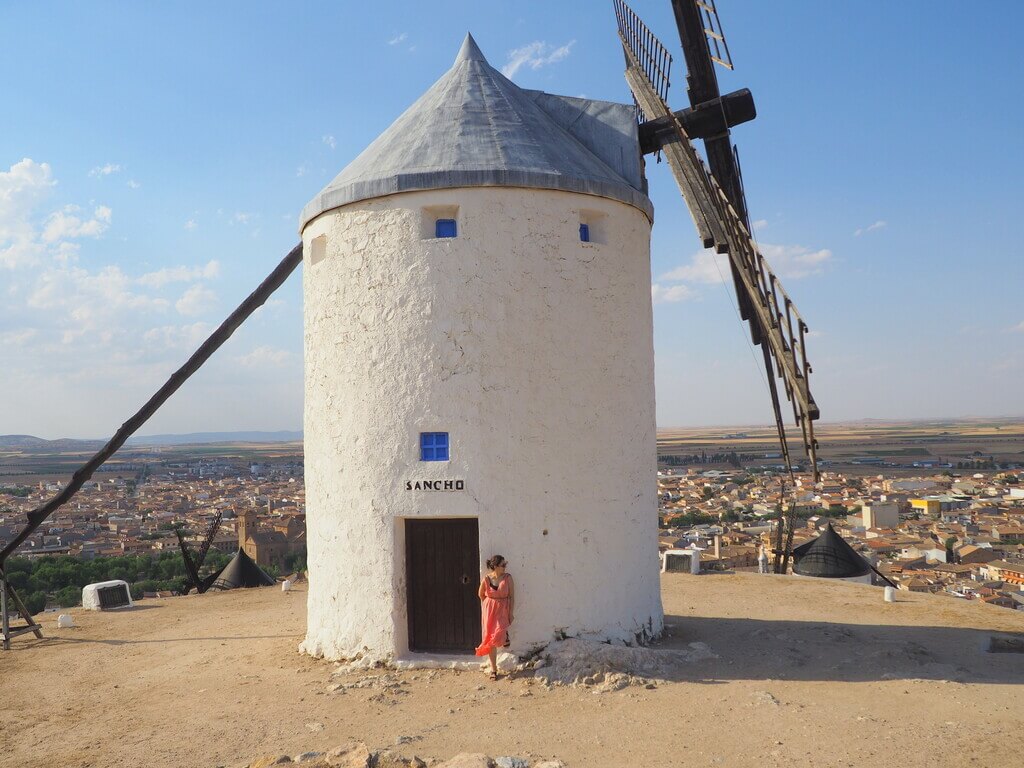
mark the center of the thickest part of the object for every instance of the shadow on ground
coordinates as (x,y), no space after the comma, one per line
(64,639)
(757,649)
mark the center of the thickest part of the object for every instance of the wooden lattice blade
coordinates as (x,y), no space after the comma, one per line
(722,228)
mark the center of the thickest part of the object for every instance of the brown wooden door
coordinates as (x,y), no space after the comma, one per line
(442,570)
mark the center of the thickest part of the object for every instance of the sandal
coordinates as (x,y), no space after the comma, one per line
(493,675)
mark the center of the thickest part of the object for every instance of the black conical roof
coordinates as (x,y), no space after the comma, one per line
(242,572)
(829,557)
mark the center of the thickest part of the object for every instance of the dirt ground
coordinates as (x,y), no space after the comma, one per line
(808,673)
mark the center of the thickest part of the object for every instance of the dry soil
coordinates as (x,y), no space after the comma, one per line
(808,672)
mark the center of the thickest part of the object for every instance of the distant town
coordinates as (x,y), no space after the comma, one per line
(953,526)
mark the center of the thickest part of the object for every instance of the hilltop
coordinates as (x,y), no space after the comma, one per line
(807,672)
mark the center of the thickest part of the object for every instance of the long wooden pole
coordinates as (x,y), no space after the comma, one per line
(255,300)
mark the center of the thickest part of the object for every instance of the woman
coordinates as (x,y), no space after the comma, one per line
(498,603)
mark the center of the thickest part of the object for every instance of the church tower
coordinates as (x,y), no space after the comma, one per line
(247,527)
(479,375)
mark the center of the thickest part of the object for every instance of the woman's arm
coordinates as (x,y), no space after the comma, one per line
(480,591)
(511,600)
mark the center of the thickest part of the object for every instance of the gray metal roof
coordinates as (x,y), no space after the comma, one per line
(476,128)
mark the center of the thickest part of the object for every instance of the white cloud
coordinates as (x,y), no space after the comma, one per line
(871,228)
(22,189)
(709,268)
(535,55)
(105,170)
(167,275)
(187,337)
(706,267)
(196,300)
(18,337)
(759,224)
(329,141)
(401,37)
(191,224)
(86,302)
(242,217)
(1019,327)
(133,184)
(63,225)
(795,261)
(265,357)
(667,294)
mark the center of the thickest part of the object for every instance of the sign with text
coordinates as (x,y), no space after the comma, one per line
(435,485)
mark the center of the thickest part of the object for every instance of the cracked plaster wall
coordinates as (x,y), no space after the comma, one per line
(534,351)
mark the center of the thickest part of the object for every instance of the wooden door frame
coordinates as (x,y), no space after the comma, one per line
(410,630)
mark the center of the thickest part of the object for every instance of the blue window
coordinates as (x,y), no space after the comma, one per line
(433,446)
(584,233)
(445,228)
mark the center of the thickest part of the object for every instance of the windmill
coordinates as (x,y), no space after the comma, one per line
(715,197)
(570,162)
(192,566)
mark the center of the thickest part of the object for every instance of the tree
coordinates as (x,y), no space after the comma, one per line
(68,597)
(35,602)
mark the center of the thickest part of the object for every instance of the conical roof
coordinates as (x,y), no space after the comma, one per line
(475,127)
(829,557)
(242,572)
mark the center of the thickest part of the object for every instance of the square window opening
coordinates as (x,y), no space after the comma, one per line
(439,222)
(445,228)
(317,249)
(593,227)
(434,446)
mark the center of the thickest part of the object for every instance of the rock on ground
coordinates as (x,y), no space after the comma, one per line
(467,760)
(577,661)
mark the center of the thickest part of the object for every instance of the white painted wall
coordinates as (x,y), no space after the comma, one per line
(535,352)
(883,515)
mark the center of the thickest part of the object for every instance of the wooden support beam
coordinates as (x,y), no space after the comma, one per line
(704,121)
(9,595)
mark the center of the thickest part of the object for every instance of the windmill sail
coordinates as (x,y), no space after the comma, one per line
(775,322)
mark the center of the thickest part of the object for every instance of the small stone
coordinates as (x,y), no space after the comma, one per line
(315,727)
(352,755)
(266,762)
(764,697)
(507,761)
(467,760)
(550,764)
(306,757)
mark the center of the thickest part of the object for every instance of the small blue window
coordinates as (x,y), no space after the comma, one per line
(584,233)
(445,228)
(433,446)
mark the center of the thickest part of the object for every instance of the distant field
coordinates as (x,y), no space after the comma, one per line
(32,467)
(952,441)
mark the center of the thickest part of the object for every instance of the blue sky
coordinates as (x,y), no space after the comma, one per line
(154,158)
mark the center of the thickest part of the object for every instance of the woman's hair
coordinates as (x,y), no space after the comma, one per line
(495,561)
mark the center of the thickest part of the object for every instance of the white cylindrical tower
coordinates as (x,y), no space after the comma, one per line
(480,375)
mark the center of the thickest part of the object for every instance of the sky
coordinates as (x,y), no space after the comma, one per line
(154,158)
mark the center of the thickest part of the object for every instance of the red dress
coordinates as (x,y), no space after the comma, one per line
(494,615)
